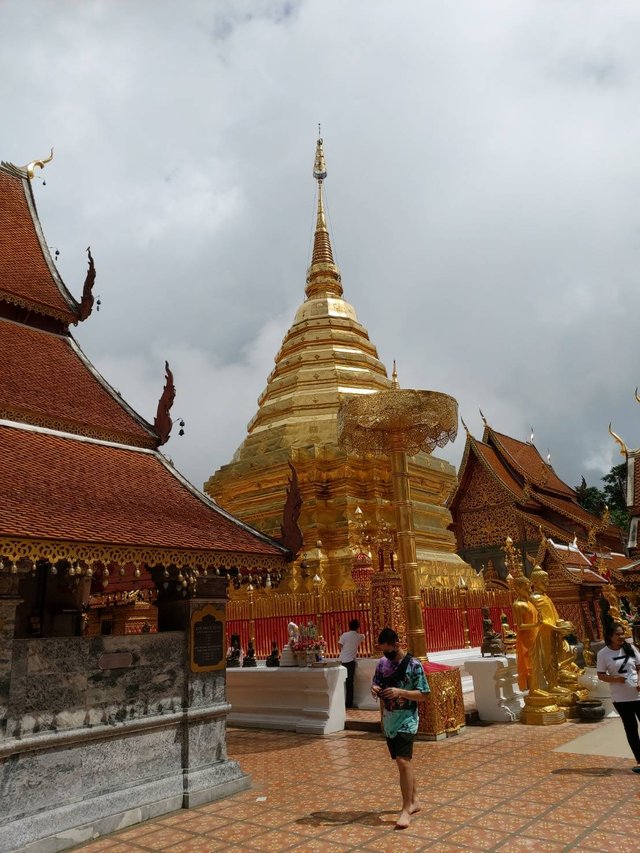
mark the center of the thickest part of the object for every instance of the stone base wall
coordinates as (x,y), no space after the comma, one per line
(101,732)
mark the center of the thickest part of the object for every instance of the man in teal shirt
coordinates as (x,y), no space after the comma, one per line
(400,683)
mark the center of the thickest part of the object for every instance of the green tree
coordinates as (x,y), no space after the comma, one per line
(613,495)
(591,498)
(615,489)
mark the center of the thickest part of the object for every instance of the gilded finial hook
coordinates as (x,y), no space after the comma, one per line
(40,164)
(484,420)
(637,398)
(466,428)
(623,447)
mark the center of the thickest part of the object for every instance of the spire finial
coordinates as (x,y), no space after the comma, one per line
(394,376)
(323,278)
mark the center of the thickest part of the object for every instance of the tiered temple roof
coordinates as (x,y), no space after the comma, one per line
(505,489)
(83,478)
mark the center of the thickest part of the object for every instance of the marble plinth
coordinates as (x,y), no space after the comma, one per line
(299,699)
(495,686)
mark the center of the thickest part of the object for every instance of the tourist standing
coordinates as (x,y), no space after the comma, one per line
(348,644)
(400,682)
(618,664)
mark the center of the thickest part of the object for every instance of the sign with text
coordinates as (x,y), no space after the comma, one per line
(206,639)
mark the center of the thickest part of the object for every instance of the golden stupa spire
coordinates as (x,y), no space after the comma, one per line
(323,277)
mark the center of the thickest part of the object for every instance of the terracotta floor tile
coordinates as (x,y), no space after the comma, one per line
(520,844)
(606,842)
(499,787)
(198,845)
(502,822)
(163,837)
(476,839)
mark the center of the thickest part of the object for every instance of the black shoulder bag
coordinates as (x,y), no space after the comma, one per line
(398,675)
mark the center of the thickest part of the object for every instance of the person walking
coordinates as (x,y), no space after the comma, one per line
(348,644)
(618,664)
(399,681)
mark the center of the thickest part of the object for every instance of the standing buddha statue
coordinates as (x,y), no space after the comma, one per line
(540,707)
(558,660)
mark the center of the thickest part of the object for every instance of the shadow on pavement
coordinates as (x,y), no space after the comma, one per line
(590,771)
(343,818)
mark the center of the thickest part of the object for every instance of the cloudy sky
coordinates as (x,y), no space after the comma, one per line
(483,191)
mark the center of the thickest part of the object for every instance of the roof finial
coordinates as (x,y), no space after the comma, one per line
(624,451)
(484,420)
(394,376)
(532,436)
(323,278)
(40,164)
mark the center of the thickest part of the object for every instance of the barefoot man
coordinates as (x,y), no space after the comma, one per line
(399,681)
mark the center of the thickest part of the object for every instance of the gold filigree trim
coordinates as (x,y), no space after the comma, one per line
(14,549)
(69,426)
(44,310)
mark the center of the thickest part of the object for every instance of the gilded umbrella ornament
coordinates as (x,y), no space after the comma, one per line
(400,423)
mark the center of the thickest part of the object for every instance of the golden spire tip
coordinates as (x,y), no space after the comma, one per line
(394,376)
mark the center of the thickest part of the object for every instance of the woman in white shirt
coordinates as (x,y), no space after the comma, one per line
(618,664)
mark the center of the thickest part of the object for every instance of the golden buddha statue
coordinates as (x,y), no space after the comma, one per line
(540,706)
(528,625)
(560,671)
(611,597)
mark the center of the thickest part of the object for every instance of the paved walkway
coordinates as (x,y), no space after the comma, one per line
(498,787)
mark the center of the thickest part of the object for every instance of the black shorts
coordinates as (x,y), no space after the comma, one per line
(401,746)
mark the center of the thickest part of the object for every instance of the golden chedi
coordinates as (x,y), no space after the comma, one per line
(326,358)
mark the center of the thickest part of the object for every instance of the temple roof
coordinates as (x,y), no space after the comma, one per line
(538,494)
(527,461)
(577,567)
(45,379)
(58,486)
(28,276)
(81,474)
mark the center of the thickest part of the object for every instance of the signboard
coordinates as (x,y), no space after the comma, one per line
(206,639)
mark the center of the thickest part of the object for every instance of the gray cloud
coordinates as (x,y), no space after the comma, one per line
(483,191)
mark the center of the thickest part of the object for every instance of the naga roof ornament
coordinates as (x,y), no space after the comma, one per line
(163,422)
(86,303)
(36,164)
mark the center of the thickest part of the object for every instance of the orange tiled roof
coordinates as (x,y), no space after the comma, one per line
(71,489)
(572,509)
(492,459)
(530,464)
(44,380)
(27,274)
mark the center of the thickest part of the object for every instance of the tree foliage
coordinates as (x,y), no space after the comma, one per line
(612,495)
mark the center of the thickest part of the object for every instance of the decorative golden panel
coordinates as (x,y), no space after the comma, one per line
(54,551)
(482,491)
(443,711)
(487,527)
